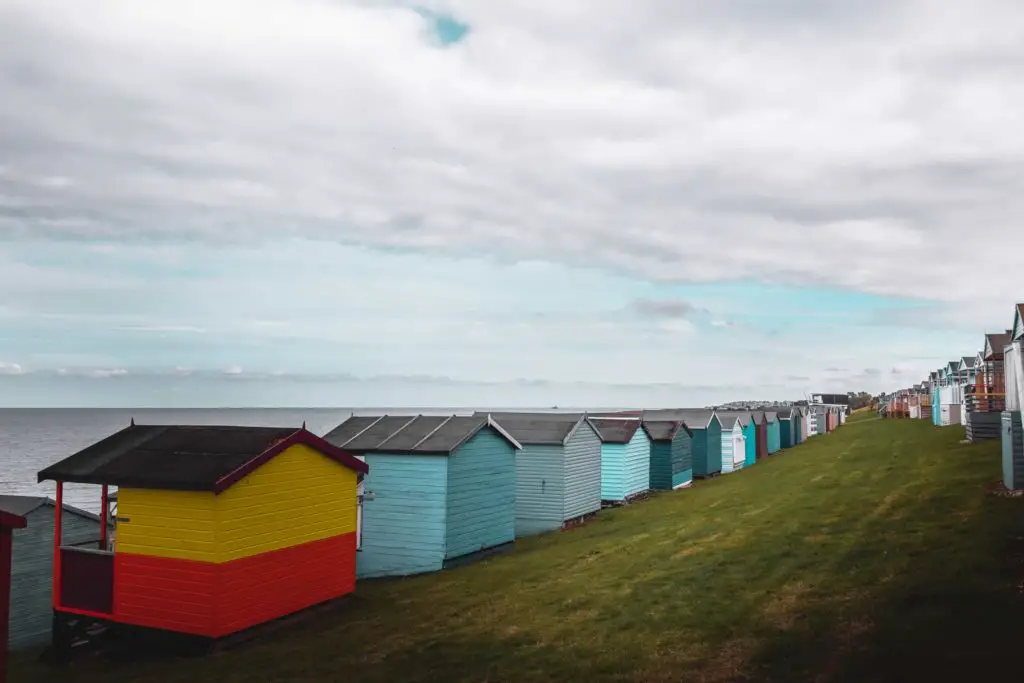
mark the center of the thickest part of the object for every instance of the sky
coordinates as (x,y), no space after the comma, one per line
(520,203)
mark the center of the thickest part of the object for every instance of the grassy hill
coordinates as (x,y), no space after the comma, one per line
(870,554)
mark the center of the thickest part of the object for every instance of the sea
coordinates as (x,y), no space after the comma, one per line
(34,438)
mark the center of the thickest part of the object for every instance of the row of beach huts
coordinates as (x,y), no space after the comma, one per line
(983,392)
(207,532)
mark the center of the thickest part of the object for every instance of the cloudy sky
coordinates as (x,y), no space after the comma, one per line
(584,202)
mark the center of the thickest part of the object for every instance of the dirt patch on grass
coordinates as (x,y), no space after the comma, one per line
(786,604)
(887,503)
(729,662)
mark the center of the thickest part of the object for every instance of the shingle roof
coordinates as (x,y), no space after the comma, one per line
(784,413)
(412,435)
(694,418)
(744,416)
(728,421)
(664,430)
(997,341)
(26,505)
(185,457)
(770,415)
(538,428)
(615,429)
(969,361)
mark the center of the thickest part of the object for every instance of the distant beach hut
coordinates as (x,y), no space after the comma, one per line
(734,451)
(558,470)
(625,458)
(440,489)
(1012,419)
(761,434)
(806,431)
(746,420)
(707,441)
(31,610)
(787,427)
(671,454)
(218,529)
(774,431)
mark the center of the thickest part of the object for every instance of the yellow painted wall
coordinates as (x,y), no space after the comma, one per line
(297,497)
(178,524)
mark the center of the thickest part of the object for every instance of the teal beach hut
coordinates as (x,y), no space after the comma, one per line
(707,439)
(625,458)
(750,437)
(671,454)
(787,430)
(440,489)
(558,470)
(774,431)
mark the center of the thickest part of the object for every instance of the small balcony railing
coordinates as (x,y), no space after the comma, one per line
(87,579)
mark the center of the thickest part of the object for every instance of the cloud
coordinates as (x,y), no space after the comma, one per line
(92,373)
(233,370)
(11,369)
(637,141)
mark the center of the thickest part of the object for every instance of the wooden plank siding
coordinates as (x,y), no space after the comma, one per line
(1013,450)
(774,436)
(540,488)
(661,465)
(638,464)
(481,502)
(582,473)
(404,518)
(750,442)
(707,449)
(682,459)
(31,614)
(734,452)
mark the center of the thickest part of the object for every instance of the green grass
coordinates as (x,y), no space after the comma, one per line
(870,554)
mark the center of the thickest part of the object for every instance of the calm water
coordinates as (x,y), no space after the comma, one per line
(31,439)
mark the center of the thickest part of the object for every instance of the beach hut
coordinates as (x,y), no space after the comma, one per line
(558,470)
(787,428)
(774,431)
(746,420)
(734,450)
(218,529)
(625,458)
(760,434)
(706,429)
(8,524)
(671,454)
(1012,427)
(440,489)
(31,605)
(819,416)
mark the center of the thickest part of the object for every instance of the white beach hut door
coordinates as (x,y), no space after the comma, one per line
(739,450)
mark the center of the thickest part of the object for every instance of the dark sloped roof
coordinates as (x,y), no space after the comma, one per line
(185,457)
(23,506)
(664,430)
(413,435)
(538,428)
(997,341)
(694,418)
(728,421)
(744,416)
(784,413)
(615,429)
(969,361)
(770,416)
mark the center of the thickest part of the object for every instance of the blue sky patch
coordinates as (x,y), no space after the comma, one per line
(447,29)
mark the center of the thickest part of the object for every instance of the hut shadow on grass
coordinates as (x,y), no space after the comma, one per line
(952,612)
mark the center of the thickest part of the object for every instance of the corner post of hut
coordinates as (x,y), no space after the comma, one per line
(57,527)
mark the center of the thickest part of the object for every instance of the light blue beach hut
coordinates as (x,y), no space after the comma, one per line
(734,449)
(440,489)
(558,470)
(625,458)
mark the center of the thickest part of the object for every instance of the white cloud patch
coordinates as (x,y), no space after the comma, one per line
(868,145)
(11,369)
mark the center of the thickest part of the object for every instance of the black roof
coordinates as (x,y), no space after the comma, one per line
(615,429)
(409,434)
(167,456)
(784,413)
(538,428)
(664,430)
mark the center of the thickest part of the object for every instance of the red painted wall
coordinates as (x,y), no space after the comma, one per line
(214,600)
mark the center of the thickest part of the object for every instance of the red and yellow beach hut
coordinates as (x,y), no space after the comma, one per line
(217,529)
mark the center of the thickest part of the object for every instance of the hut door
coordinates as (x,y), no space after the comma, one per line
(739,450)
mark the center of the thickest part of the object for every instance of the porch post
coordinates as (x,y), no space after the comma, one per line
(58,518)
(104,505)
